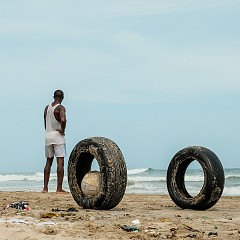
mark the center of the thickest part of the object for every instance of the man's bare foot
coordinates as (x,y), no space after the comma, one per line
(61,191)
(45,190)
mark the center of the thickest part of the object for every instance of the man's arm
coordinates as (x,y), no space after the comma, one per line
(63,119)
(45,114)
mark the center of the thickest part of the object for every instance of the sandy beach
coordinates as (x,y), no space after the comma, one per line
(54,216)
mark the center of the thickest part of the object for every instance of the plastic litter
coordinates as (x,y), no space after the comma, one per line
(19,206)
(26,221)
(14,221)
(165,220)
(57,210)
(136,222)
(130,228)
(71,209)
(46,223)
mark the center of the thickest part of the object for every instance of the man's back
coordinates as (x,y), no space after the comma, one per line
(55,124)
(59,113)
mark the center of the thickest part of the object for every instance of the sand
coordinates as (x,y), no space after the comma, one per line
(157,217)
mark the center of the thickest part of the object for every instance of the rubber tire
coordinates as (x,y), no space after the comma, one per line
(112,168)
(213,178)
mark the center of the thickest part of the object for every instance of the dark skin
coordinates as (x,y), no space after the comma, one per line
(60,115)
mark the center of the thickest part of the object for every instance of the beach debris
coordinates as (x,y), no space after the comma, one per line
(129,228)
(57,210)
(173,229)
(26,221)
(190,228)
(165,220)
(49,215)
(176,178)
(71,209)
(91,192)
(14,221)
(18,205)
(212,234)
(191,235)
(45,223)
(136,222)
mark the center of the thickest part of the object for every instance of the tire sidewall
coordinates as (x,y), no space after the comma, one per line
(106,153)
(213,176)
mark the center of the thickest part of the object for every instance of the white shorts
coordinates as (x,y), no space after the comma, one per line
(59,150)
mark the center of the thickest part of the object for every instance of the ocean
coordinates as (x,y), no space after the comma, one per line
(140,181)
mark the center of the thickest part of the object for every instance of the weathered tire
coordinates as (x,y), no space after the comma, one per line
(112,168)
(213,178)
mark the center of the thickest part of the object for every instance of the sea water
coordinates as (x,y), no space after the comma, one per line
(140,181)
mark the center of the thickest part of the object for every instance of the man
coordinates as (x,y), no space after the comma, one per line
(55,124)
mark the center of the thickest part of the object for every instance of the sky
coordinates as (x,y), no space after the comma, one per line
(153,76)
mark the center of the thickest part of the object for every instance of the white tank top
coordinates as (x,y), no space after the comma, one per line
(52,135)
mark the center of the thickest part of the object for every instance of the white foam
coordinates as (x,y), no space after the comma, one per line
(38,176)
(137,170)
(146,179)
(194,178)
(231,191)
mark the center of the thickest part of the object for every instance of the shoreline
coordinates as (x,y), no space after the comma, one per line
(159,218)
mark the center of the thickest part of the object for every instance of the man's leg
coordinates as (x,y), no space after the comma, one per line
(47,171)
(60,174)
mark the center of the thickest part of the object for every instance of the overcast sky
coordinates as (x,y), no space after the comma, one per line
(154,76)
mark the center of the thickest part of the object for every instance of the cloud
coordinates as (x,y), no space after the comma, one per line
(90,45)
(63,16)
(142,8)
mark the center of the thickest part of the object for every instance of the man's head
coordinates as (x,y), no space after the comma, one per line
(58,94)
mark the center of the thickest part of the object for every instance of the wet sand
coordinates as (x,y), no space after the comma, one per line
(157,217)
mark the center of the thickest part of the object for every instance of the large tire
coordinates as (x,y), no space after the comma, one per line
(112,168)
(213,178)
